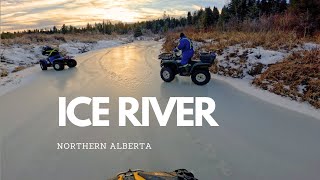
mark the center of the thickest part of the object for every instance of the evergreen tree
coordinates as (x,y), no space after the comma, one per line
(283,6)
(189,18)
(208,17)
(54,29)
(254,11)
(225,15)
(64,29)
(137,32)
(216,14)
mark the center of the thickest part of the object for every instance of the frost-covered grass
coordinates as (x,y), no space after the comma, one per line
(218,40)
(17,57)
(294,74)
(56,39)
(297,77)
(239,62)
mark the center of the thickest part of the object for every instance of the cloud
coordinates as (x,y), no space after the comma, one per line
(25,14)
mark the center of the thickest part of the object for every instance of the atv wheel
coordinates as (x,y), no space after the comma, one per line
(167,74)
(184,174)
(58,66)
(201,77)
(71,63)
(43,66)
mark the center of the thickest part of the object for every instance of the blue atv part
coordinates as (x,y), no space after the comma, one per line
(55,57)
(43,65)
(57,63)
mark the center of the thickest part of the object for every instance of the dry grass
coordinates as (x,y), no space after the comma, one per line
(19,68)
(3,73)
(273,40)
(301,69)
(317,38)
(55,39)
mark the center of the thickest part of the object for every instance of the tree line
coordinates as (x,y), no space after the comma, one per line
(303,12)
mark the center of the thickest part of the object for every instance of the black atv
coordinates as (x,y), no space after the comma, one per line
(197,69)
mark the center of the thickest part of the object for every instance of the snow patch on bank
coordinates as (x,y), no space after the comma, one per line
(239,62)
(245,86)
(15,80)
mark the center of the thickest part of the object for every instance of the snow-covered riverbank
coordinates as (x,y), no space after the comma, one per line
(290,75)
(246,86)
(18,61)
(25,55)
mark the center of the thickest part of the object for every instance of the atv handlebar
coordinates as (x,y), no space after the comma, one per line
(130,171)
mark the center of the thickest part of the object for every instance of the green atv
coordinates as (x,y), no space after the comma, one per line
(197,69)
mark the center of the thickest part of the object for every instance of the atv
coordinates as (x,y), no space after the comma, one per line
(180,174)
(55,60)
(58,64)
(197,69)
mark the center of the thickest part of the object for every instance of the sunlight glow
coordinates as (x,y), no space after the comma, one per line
(30,14)
(121,14)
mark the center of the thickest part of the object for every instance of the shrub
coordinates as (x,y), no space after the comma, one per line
(3,73)
(297,77)
(137,32)
(221,39)
(19,68)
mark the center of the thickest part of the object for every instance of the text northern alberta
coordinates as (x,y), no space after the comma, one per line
(104,146)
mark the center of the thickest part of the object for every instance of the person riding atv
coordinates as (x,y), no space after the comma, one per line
(173,64)
(55,59)
(180,174)
(51,53)
(186,46)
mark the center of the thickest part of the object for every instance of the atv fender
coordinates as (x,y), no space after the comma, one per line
(43,61)
(58,61)
(200,65)
(172,64)
(169,63)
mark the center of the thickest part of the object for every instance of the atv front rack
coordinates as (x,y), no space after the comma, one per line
(169,56)
(166,56)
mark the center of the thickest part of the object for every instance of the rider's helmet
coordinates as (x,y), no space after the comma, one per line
(45,49)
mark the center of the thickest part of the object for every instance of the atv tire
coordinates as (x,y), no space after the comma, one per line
(58,66)
(167,74)
(184,174)
(200,77)
(71,63)
(43,66)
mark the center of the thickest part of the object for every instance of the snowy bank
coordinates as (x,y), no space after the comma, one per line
(245,86)
(251,65)
(17,61)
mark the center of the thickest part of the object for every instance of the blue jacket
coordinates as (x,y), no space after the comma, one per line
(186,46)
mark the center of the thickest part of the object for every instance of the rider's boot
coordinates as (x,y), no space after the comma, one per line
(185,70)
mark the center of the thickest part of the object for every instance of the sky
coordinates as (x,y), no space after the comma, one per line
(31,14)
